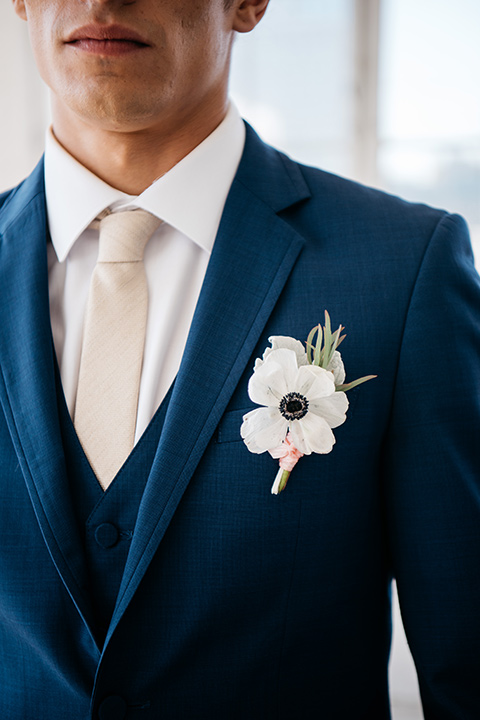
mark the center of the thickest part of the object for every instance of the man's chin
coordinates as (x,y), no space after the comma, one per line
(116,112)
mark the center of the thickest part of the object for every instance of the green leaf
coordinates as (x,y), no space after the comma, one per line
(354,383)
(317,355)
(311,335)
(283,481)
(335,343)
(327,339)
(321,354)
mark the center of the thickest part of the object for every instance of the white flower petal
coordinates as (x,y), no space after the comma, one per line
(313,382)
(262,429)
(332,408)
(287,359)
(312,434)
(336,367)
(283,341)
(267,385)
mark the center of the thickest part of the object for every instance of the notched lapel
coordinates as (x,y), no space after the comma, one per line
(252,258)
(27,390)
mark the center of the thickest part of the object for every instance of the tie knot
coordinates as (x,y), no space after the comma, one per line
(124,235)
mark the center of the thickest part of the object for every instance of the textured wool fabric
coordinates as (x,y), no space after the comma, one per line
(234,603)
(113,342)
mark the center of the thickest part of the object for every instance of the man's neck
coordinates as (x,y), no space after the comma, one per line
(132,160)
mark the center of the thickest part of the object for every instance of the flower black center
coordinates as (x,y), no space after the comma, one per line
(293,406)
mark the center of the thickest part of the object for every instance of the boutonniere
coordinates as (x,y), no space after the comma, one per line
(302,391)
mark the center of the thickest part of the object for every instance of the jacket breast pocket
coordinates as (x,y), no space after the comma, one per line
(228,429)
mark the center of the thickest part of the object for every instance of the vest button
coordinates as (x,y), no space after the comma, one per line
(113,707)
(106,535)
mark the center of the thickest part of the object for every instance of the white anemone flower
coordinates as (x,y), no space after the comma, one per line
(281,341)
(337,368)
(297,398)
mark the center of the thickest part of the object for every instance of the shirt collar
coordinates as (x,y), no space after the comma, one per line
(190,196)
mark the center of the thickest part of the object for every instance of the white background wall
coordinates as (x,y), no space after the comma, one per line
(23,101)
(384,91)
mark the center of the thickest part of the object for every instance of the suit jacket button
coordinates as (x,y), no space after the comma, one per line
(113,707)
(106,535)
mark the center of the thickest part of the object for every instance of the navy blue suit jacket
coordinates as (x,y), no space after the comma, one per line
(235,603)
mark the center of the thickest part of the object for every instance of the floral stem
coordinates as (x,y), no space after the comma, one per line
(280,481)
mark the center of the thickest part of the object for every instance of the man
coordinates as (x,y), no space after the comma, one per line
(146,569)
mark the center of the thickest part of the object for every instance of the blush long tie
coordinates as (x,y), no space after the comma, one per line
(113,343)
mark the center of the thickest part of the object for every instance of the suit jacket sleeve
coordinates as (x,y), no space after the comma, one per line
(432,476)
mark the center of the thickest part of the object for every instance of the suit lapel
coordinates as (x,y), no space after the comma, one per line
(27,380)
(252,258)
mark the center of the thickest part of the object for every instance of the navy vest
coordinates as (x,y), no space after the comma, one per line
(106,519)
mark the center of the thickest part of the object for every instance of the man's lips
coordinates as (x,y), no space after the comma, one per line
(106,39)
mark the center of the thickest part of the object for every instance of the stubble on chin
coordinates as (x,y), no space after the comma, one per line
(110,103)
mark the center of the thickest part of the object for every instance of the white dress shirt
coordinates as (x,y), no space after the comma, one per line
(190,200)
